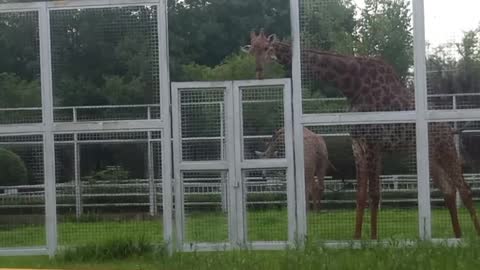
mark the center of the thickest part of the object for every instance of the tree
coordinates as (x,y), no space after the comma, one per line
(328,25)
(16,92)
(20,62)
(385,30)
(469,63)
(96,50)
(455,67)
(206,31)
(237,66)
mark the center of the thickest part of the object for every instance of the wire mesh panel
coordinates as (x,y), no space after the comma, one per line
(453,54)
(376,158)
(22,193)
(454,168)
(355,55)
(202,124)
(20,95)
(266,204)
(262,116)
(108,186)
(205,206)
(105,60)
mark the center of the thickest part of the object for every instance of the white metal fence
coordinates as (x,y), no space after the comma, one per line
(211,173)
(398,184)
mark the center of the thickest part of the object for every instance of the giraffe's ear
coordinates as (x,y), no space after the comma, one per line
(272,38)
(246,48)
(260,154)
(262,32)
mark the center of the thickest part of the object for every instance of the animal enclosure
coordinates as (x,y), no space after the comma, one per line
(115,123)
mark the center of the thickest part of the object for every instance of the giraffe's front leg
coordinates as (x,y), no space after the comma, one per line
(359,152)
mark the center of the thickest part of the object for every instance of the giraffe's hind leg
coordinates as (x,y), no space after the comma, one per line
(310,188)
(466,196)
(443,182)
(320,172)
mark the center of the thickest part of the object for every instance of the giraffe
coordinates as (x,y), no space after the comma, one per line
(371,84)
(316,162)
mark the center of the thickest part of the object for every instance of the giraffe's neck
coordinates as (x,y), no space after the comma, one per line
(328,67)
(283,52)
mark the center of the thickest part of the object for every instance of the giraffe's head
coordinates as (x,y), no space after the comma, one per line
(274,146)
(261,47)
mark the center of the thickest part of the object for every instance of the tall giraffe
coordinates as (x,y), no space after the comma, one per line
(370,84)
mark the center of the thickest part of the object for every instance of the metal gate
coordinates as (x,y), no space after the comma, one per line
(225,191)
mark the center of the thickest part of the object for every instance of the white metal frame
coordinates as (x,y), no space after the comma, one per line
(296,204)
(227,165)
(49,127)
(286,163)
(232,162)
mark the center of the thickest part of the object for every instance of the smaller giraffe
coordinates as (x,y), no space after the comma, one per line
(316,162)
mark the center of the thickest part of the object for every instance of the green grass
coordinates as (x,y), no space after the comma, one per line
(420,256)
(263,225)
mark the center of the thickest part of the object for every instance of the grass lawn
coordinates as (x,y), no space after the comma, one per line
(422,256)
(264,225)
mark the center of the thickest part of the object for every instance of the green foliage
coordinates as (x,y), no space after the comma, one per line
(12,169)
(110,67)
(385,30)
(113,249)
(17,92)
(19,45)
(455,67)
(393,254)
(206,31)
(237,66)
(329,25)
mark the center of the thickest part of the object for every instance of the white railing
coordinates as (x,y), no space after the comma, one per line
(33,195)
(454,97)
(74,110)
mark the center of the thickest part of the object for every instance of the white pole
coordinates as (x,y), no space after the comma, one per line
(78,182)
(151,177)
(164,75)
(423,173)
(48,138)
(301,212)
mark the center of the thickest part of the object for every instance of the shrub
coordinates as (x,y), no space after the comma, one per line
(112,249)
(12,169)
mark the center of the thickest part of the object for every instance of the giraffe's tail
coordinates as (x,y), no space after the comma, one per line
(330,164)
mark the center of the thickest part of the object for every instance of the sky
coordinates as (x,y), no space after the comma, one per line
(445,20)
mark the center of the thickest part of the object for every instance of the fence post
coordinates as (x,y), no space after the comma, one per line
(224,192)
(423,171)
(151,177)
(223,184)
(165,100)
(78,180)
(48,137)
(456,139)
(301,221)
